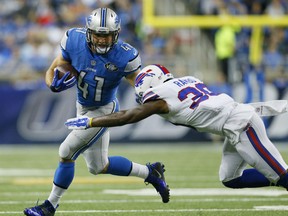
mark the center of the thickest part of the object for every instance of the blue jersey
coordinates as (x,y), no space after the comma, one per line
(99,75)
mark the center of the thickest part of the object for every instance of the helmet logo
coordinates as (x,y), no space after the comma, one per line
(117,21)
(89,20)
(140,78)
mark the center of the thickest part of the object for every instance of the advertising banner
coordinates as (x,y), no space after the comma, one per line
(36,115)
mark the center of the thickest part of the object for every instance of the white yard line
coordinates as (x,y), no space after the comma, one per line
(203,192)
(273,192)
(153,210)
(274,208)
(9,172)
(31,202)
(178,192)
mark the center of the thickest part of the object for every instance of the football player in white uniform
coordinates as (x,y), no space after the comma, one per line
(187,101)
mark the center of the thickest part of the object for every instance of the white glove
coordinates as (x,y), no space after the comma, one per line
(79,123)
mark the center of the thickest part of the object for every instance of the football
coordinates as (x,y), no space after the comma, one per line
(64,68)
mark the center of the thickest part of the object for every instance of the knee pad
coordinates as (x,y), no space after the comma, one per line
(64,152)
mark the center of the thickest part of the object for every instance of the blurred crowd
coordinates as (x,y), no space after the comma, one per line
(31,31)
(273,67)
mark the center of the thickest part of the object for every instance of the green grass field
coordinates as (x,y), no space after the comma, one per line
(191,171)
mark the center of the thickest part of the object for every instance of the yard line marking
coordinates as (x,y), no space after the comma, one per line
(77,180)
(276,207)
(25,172)
(174,192)
(154,201)
(149,210)
(22,172)
(202,192)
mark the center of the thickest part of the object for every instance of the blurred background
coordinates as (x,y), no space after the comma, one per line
(239,47)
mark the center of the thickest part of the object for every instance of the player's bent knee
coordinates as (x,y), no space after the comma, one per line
(95,170)
(92,171)
(64,152)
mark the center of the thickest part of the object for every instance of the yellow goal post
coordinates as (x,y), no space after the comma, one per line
(256,22)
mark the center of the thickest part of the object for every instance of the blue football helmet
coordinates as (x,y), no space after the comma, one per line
(103,26)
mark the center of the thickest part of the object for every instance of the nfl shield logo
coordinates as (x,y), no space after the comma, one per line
(93,62)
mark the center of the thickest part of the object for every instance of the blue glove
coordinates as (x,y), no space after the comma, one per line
(62,84)
(78,123)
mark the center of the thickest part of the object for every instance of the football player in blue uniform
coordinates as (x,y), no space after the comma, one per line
(102,61)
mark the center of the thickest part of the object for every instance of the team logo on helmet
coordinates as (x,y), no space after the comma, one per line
(140,78)
(89,20)
(117,21)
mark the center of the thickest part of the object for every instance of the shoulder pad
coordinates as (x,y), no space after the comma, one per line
(134,64)
(68,33)
(64,40)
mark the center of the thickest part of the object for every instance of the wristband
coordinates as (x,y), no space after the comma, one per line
(90,122)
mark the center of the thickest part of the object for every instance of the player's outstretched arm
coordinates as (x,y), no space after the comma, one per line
(122,117)
(131,77)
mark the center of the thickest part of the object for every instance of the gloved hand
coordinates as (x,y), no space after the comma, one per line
(79,123)
(62,84)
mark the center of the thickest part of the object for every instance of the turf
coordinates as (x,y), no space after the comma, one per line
(26,174)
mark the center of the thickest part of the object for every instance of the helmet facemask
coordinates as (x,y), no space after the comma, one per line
(101,43)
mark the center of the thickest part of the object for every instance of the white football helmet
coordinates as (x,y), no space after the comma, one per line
(150,77)
(102,22)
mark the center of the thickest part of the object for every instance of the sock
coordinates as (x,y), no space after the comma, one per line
(56,195)
(139,170)
(64,174)
(119,166)
(63,177)
(250,178)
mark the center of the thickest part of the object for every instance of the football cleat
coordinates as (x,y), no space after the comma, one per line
(157,179)
(45,209)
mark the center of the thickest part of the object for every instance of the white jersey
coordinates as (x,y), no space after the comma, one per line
(192,104)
